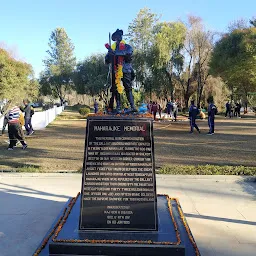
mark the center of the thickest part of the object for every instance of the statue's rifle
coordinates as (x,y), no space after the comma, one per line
(109,77)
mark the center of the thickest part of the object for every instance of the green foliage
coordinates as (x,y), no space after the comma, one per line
(16,79)
(90,76)
(56,80)
(76,107)
(207,170)
(141,29)
(137,96)
(84,111)
(27,168)
(171,57)
(234,60)
(61,60)
(154,45)
(141,38)
(168,38)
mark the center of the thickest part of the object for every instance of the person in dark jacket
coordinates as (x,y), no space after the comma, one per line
(193,112)
(169,108)
(96,106)
(212,111)
(28,116)
(228,110)
(238,109)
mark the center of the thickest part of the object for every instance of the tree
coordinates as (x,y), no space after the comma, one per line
(16,79)
(91,77)
(204,41)
(234,60)
(154,43)
(56,80)
(168,40)
(189,61)
(197,50)
(237,24)
(141,38)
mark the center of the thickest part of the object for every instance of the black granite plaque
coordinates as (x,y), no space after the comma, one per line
(118,187)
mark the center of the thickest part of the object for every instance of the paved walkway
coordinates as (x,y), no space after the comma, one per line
(220,210)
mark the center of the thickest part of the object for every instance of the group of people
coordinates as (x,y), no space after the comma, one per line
(233,109)
(15,119)
(194,112)
(171,109)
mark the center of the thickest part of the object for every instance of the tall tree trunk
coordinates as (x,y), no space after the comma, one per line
(171,86)
(200,94)
(199,88)
(186,96)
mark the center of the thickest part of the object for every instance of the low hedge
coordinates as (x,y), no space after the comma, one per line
(84,111)
(207,170)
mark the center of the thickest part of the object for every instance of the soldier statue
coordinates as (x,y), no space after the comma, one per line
(120,56)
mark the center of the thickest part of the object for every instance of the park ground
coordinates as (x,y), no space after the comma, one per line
(60,146)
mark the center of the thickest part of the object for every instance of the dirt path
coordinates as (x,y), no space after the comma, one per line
(61,145)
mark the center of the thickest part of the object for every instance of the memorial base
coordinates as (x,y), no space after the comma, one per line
(172,238)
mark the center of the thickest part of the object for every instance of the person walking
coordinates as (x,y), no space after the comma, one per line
(15,129)
(193,112)
(28,117)
(149,107)
(238,109)
(154,109)
(169,108)
(228,110)
(5,123)
(175,110)
(96,106)
(212,111)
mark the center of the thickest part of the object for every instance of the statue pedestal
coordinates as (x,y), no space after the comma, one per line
(118,211)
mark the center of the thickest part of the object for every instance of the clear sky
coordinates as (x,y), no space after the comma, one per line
(25,26)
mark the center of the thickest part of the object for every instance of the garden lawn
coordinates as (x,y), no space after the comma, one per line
(60,146)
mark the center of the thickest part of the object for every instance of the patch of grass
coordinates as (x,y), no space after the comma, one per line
(76,107)
(28,168)
(67,116)
(207,170)
(80,170)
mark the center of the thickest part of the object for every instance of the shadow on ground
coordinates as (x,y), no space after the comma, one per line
(25,217)
(249,186)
